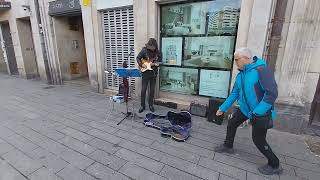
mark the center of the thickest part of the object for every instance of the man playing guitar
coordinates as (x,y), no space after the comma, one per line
(148,60)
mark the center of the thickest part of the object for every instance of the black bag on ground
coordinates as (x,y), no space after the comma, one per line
(214,105)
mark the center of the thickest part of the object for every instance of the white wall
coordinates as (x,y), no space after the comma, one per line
(105,4)
(20,11)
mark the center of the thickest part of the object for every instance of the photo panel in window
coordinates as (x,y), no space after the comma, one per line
(184,19)
(171,49)
(209,52)
(223,17)
(179,80)
(214,83)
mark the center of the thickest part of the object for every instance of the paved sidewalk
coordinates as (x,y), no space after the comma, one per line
(61,132)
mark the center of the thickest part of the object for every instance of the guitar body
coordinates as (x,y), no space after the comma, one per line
(148,63)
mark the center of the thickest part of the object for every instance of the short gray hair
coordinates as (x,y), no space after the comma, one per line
(244,51)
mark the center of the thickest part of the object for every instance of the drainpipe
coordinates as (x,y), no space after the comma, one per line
(43,45)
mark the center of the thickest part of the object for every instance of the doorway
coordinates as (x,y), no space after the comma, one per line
(72,52)
(8,49)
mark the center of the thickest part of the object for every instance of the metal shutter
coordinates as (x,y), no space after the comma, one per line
(118,34)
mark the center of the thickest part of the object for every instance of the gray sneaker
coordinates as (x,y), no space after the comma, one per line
(268,170)
(223,149)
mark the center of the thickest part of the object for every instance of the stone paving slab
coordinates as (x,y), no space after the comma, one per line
(63,133)
(24,164)
(107,159)
(44,173)
(8,172)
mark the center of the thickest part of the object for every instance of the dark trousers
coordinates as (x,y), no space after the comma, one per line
(151,80)
(258,137)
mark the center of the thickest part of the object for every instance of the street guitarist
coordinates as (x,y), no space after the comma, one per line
(148,60)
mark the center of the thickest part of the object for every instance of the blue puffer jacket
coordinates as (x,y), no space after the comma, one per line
(260,88)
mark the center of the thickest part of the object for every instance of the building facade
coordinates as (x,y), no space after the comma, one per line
(20,52)
(90,38)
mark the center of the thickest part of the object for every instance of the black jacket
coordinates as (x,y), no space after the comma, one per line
(146,53)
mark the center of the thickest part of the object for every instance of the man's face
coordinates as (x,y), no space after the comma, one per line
(241,61)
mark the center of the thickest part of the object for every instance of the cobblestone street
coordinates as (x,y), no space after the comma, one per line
(61,132)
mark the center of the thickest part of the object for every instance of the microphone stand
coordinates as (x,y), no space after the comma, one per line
(125,82)
(112,95)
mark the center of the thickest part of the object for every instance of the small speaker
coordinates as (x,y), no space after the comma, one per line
(214,105)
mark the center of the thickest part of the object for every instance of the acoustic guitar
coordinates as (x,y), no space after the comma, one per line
(148,65)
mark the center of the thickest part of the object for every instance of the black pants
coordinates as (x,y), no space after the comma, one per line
(258,137)
(148,78)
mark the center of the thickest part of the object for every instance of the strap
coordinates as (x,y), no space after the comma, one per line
(244,92)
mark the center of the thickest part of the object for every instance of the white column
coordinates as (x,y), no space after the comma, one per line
(97,32)
(260,16)
(298,72)
(141,13)
(50,42)
(37,42)
(243,30)
(244,23)
(89,37)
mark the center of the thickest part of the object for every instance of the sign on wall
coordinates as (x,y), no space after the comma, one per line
(64,7)
(86,2)
(171,50)
(214,83)
(182,80)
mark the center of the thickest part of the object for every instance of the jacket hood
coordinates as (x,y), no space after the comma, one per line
(256,63)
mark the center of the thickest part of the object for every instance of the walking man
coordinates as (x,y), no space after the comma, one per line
(256,90)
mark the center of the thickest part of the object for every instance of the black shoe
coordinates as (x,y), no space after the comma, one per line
(223,149)
(268,170)
(141,109)
(151,108)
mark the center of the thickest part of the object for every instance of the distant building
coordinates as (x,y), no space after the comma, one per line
(224,21)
